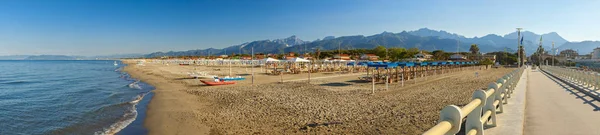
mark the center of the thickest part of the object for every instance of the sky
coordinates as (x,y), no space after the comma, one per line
(105,27)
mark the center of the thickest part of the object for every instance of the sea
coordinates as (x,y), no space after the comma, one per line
(70,97)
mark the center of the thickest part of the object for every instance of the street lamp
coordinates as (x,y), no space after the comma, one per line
(519,47)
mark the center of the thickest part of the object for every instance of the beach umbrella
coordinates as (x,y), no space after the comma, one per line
(298,60)
(270,60)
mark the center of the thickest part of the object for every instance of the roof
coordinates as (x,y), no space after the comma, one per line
(424,53)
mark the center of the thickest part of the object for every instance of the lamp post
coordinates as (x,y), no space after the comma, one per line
(519,47)
(553,53)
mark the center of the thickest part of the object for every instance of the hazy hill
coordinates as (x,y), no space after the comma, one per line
(547,38)
(51,57)
(424,38)
(14,57)
(585,47)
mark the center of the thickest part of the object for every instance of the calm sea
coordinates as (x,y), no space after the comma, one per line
(70,97)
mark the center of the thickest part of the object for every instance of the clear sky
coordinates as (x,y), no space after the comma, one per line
(102,27)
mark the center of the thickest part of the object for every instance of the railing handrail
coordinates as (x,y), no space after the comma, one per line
(484,106)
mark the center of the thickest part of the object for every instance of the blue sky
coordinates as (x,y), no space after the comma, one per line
(102,27)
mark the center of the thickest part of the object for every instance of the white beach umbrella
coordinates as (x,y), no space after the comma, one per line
(270,60)
(298,60)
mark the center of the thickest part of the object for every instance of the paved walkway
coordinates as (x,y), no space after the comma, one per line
(510,122)
(554,108)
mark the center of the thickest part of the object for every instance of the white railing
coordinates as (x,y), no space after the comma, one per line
(483,108)
(586,79)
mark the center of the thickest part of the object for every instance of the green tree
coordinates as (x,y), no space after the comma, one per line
(486,62)
(440,55)
(380,51)
(504,58)
(474,49)
(410,53)
(396,53)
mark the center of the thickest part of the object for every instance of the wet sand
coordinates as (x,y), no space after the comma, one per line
(334,104)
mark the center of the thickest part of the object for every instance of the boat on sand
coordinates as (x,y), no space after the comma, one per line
(227,78)
(216,83)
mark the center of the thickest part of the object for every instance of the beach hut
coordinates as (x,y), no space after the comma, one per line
(270,60)
(298,60)
(386,67)
(295,61)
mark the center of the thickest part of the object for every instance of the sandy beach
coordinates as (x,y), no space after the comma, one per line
(334,104)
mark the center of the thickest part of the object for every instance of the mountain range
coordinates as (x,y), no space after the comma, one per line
(424,38)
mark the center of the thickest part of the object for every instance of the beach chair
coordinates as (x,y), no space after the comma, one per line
(365,78)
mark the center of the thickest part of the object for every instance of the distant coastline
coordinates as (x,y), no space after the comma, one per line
(67,57)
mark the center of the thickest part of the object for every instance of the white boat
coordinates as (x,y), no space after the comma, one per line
(201,75)
(115,63)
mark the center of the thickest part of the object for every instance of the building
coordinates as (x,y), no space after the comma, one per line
(289,56)
(457,57)
(341,56)
(587,56)
(569,53)
(246,58)
(485,56)
(307,56)
(371,57)
(259,56)
(596,53)
(421,56)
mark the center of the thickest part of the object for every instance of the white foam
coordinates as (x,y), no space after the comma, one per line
(135,85)
(127,118)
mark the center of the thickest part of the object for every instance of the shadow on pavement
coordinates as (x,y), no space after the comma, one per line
(575,92)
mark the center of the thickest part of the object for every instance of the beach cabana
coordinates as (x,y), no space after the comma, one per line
(270,60)
(267,60)
(298,60)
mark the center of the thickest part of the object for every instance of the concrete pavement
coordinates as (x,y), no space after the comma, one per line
(510,122)
(554,108)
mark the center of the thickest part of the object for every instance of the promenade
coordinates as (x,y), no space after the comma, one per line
(554,108)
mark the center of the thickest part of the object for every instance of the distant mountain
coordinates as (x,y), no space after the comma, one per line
(329,37)
(585,47)
(14,57)
(547,38)
(424,38)
(425,32)
(290,41)
(51,57)
(265,46)
(488,42)
(388,39)
(116,56)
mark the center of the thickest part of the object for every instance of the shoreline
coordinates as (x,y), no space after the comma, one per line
(165,110)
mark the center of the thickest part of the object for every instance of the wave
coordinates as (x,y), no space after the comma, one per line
(127,118)
(119,69)
(135,85)
(17,82)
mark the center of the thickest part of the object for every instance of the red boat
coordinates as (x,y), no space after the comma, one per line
(213,83)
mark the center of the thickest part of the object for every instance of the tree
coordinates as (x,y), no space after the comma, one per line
(504,58)
(396,53)
(486,62)
(380,51)
(440,55)
(474,49)
(410,53)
